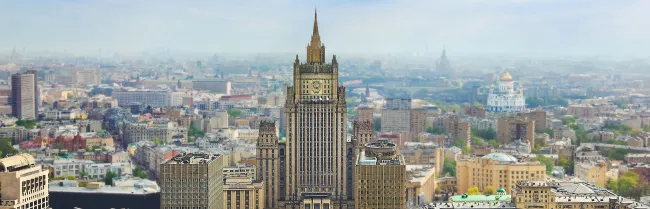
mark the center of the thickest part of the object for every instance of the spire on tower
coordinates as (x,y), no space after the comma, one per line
(315,35)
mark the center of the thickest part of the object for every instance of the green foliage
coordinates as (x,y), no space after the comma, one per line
(493,142)
(566,164)
(6,147)
(83,174)
(466,150)
(487,134)
(622,102)
(489,190)
(235,113)
(625,184)
(108,178)
(157,141)
(533,102)
(449,167)
(139,172)
(194,131)
(618,154)
(458,142)
(546,131)
(621,128)
(28,124)
(546,161)
(435,130)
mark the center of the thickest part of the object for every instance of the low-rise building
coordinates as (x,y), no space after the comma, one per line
(242,192)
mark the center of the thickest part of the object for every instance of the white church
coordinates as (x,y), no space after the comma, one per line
(505,97)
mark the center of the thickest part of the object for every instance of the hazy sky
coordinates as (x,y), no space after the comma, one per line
(354,26)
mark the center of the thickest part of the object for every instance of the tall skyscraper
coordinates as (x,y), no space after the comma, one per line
(443,67)
(24,184)
(24,95)
(316,132)
(192,180)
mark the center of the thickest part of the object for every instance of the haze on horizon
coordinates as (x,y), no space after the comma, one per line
(586,27)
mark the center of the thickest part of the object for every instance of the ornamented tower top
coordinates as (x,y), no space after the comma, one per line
(315,49)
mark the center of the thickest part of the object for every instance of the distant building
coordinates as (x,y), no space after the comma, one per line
(128,193)
(25,95)
(510,129)
(196,173)
(144,97)
(24,185)
(506,98)
(215,86)
(443,66)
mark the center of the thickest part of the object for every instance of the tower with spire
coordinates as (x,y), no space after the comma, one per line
(443,66)
(315,163)
(14,54)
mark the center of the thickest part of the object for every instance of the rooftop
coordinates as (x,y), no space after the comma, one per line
(192,158)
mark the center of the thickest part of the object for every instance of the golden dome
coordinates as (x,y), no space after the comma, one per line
(506,77)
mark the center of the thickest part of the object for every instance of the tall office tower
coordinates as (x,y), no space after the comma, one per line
(24,92)
(316,131)
(268,162)
(380,177)
(192,180)
(23,183)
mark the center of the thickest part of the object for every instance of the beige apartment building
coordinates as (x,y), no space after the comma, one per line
(268,163)
(242,192)
(381,177)
(23,184)
(363,132)
(365,114)
(510,129)
(457,129)
(498,170)
(192,180)
(592,171)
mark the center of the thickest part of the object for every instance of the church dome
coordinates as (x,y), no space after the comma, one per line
(501,157)
(492,86)
(506,77)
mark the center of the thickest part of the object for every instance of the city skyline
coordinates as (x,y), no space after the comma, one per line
(470,26)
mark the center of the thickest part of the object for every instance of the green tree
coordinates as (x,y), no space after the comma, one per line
(489,190)
(108,178)
(139,172)
(459,143)
(494,143)
(28,124)
(449,167)
(235,113)
(435,130)
(473,191)
(546,161)
(83,174)
(466,150)
(6,147)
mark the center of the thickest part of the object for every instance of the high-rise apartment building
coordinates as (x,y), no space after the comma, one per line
(380,177)
(23,184)
(363,132)
(398,104)
(511,129)
(192,180)
(457,129)
(243,192)
(268,162)
(418,121)
(25,95)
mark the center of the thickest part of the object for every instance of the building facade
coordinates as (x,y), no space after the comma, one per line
(24,95)
(268,163)
(498,170)
(193,173)
(380,177)
(24,184)
(505,97)
(243,193)
(144,97)
(215,86)
(510,129)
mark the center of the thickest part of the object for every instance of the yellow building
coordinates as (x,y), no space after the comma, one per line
(594,172)
(242,192)
(421,184)
(381,177)
(23,184)
(186,173)
(498,170)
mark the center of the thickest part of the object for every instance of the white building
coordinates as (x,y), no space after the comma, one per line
(145,97)
(505,97)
